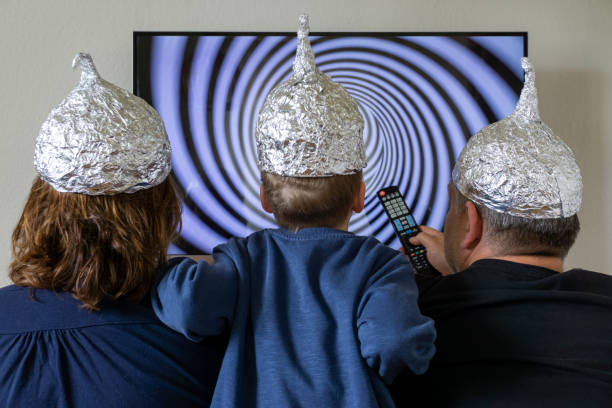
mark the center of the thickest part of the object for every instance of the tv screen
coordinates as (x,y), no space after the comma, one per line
(421,95)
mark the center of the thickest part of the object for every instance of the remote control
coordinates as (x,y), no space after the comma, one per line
(404,225)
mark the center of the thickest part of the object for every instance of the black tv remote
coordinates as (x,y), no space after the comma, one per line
(405,226)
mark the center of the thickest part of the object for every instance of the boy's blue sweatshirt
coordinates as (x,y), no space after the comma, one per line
(317,318)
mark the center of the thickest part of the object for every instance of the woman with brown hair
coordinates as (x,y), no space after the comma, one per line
(76,329)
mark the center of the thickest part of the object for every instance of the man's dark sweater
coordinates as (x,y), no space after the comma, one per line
(515,335)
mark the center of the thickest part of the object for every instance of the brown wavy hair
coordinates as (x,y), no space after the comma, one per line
(96,247)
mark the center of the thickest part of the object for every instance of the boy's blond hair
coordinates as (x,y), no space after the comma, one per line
(306,202)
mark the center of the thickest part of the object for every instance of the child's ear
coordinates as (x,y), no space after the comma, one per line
(264,200)
(359,201)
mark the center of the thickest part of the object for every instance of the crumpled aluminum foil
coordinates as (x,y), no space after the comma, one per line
(309,126)
(102,140)
(518,166)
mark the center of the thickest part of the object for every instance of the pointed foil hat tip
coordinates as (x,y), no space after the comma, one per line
(527,106)
(526,64)
(88,69)
(309,125)
(303,25)
(304,62)
(101,139)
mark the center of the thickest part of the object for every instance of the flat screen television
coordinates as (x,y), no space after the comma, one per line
(422,96)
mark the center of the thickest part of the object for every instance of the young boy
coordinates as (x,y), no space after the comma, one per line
(318,317)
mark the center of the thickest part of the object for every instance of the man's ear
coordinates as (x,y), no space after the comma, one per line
(474,227)
(359,201)
(264,200)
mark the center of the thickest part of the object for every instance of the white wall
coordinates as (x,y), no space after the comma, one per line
(569,43)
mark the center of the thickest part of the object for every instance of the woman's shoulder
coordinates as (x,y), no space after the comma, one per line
(49,318)
(23,309)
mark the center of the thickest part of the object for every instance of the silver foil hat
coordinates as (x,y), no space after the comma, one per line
(517,165)
(101,139)
(309,126)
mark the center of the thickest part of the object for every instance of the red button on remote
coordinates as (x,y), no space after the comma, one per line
(382,194)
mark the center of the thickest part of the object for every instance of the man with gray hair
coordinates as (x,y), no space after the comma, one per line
(512,329)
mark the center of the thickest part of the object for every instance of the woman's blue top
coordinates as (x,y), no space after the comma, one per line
(54,353)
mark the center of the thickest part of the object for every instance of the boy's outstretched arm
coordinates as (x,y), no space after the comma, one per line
(196,299)
(393,333)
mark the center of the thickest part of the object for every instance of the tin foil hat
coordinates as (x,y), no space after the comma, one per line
(101,139)
(518,166)
(309,126)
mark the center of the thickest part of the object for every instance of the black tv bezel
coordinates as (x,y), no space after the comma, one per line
(136,34)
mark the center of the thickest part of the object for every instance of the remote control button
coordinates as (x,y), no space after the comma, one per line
(382,193)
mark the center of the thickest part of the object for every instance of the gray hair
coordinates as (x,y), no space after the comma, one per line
(512,235)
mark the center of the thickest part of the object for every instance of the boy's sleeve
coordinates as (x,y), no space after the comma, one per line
(196,299)
(392,331)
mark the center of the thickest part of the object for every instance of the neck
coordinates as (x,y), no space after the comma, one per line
(549,262)
(344,225)
(554,263)
(341,226)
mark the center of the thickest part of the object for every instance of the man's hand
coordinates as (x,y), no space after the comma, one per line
(433,240)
